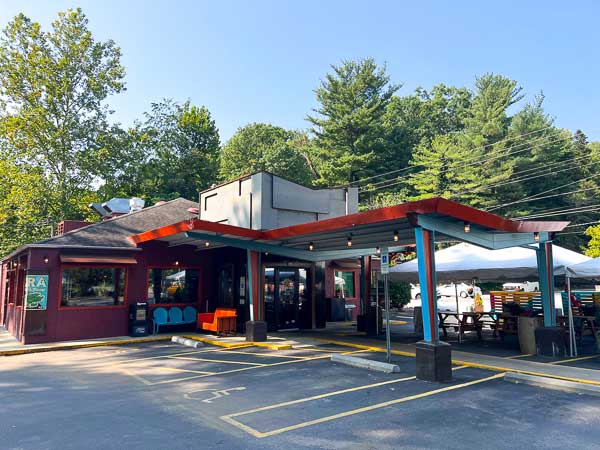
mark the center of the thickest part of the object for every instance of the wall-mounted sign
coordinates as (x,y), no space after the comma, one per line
(36,292)
(242,290)
(385,261)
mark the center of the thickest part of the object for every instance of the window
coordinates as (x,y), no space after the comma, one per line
(173,285)
(226,285)
(92,286)
(344,284)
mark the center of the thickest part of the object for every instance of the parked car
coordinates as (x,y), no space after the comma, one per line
(527,286)
(447,290)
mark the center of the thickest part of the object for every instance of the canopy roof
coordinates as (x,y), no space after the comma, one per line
(587,269)
(367,230)
(466,262)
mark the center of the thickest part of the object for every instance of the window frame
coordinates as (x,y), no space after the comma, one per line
(353,272)
(175,267)
(125,270)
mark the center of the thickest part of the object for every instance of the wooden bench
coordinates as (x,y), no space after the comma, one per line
(506,322)
(223,321)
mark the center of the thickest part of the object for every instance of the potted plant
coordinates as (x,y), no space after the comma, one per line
(478,303)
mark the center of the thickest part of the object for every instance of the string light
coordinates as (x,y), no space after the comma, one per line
(467,227)
(378,250)
(536,236)
(349,243)
(311,246)
(396,236)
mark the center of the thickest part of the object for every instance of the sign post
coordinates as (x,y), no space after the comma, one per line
(385,270)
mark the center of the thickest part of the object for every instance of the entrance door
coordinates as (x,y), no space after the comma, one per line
(288,298)
(286,295)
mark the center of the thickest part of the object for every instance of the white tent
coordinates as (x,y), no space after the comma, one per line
(467,262)
(587,269)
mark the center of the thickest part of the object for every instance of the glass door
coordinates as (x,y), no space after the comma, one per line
(288,298)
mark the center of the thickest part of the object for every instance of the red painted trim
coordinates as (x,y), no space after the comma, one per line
(256,291)
(428,206)
(431,288)
(62,267)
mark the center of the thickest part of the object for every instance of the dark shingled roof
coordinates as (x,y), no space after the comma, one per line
(114,232)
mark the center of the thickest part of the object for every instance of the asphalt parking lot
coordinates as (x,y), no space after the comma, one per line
(167,396)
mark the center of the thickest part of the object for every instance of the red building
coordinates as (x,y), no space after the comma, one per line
(94,271)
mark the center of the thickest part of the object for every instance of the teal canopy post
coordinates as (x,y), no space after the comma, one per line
(546,276)
(425,240)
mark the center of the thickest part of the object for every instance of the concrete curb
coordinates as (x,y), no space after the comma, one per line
(232,345)
(56,348)
(365,363)
(553,383)
(187,342)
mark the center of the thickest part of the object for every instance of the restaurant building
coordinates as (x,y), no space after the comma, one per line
(81,281)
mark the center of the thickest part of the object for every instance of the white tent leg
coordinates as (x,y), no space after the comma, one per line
(572,344)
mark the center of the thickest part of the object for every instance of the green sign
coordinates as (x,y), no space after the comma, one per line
(36,292)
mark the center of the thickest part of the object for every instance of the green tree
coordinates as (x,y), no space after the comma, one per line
(53,87)
(173,153)
(349,122)
(260,146)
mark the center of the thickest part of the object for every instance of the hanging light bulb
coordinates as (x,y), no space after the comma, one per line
(536,236)
(46,259)
(396,236)
(177,263)
(349,243)
(378,250)
(467,227)
(311,246)
(207,244)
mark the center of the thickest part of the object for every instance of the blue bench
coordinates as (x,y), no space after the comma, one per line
(174,316)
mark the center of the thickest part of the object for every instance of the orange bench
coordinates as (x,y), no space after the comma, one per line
(222,321)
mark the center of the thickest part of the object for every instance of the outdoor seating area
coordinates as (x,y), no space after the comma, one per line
(163,317)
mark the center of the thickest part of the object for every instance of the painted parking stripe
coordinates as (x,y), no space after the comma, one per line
(330,394)
(243,369)
(189,358)
(229,418)
(581,358)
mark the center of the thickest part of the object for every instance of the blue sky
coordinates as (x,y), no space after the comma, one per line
(259,61)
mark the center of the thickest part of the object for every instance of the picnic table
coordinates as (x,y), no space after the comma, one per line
(582,324)
(466,321)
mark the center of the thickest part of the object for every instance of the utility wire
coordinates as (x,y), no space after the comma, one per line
(561,212)
(535,196)
(469,163)
(483,147)
(582,224)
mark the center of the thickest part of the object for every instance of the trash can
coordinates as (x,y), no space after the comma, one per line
(349,311)
(527,326)
(138,319)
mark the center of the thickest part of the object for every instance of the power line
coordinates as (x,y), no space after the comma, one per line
(554,195)
(483,147)
(399,180)
(583,224)
(560,212)
(535,196)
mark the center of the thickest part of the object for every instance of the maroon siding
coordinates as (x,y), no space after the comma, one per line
(88,323)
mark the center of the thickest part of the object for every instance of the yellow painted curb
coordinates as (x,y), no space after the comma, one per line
(218,343)
(25,351)
(463,363)
(398,322)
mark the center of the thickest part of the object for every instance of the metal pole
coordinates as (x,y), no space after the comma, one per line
(388,343)
(572,345)
(457,312)
(376,303)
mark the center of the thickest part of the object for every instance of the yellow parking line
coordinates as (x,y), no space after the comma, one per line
(329,394)
(398,322)
(175,369)
(581,358)
(519,356)
(266,355)
(258,434)
(248,368)
(188,358)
